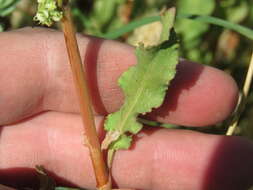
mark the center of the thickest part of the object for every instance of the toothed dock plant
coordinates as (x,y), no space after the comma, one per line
(144,85)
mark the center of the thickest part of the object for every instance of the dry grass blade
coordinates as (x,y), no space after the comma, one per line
(243,99)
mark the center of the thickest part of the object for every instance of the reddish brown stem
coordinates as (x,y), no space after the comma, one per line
(80,81)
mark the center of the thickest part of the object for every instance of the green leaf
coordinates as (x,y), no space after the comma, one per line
(104,10)
(144,86)
(167,20)
(104,16)
(238,12)
(123,142)
(190,29)
(1,27)
(7,6)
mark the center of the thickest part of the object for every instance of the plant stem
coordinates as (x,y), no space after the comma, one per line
(243,99)
(92,140)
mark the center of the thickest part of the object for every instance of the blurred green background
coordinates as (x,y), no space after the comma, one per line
(207,44)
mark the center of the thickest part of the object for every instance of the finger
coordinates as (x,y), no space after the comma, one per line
(35,76)
(158,159)
(3,187)
(199,95)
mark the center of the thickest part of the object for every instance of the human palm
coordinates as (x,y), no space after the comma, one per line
(41,125)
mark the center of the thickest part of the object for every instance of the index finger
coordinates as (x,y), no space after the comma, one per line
(35,77)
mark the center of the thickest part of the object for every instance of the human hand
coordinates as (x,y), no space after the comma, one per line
(41,124)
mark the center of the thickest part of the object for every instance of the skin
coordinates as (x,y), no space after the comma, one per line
(41,125)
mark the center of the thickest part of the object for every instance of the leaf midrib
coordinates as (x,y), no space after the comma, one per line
(139,92)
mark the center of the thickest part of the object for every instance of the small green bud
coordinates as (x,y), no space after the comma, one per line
(48,12)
